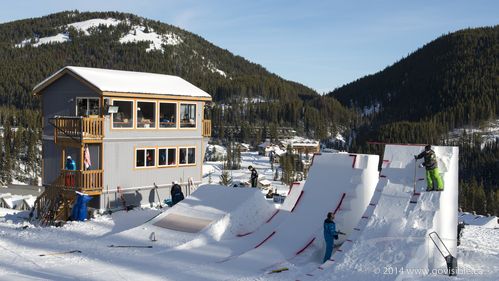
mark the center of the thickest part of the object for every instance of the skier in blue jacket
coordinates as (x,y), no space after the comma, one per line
(330,234)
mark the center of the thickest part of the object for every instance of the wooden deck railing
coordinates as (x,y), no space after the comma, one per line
(79,128)
(89,182)
(206,128)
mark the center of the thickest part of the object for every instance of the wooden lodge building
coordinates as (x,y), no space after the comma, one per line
(126,131)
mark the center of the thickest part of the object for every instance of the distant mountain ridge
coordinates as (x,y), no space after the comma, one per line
(32,49)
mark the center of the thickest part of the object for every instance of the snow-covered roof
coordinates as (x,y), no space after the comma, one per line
(300,141)
(11,201)
(119,81)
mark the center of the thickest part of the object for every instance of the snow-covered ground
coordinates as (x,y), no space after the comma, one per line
(260,163)
(184,257)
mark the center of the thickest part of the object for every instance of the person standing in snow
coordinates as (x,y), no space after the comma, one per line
(432,173)
(330,234)
(176,193)
(254,176)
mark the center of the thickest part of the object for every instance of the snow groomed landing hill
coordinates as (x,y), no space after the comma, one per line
(391,241)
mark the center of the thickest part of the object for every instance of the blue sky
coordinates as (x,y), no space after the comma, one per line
(322,44)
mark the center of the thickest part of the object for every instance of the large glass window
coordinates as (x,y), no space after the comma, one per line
(87,106)
(167,115)
(145,157)
(146,114)
(187,115)
(187,155)
(167,156)
(123,118)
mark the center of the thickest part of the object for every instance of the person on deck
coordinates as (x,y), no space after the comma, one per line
(254,176)
(176,193)
(70,176)
(330,234)
(70,164)
(432,173)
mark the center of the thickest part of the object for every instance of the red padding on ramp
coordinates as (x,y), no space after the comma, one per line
(275,213)
(265,240)
(306,246)
(339,204)
(354,160)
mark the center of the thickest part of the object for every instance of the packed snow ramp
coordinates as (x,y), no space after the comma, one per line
(334,182)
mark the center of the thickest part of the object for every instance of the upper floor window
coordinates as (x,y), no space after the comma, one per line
(187,115)
(146,114)
(145,157)
(167,115)
(123,118)
(87,106)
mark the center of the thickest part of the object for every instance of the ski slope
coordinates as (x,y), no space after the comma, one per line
(391,241)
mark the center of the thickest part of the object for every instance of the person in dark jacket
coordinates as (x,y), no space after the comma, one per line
(176,193)
(254,176)
(432,173)
(330,234)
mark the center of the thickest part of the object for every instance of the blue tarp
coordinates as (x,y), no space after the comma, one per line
(79,212)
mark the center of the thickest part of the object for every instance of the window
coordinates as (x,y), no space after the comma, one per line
(187,115)
(187,156)
(87,106)
(167,157)
(124,117)
(145,157)
(167,115)
(146,114)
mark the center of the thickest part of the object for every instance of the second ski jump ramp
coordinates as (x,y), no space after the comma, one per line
(391,241)
(333,181)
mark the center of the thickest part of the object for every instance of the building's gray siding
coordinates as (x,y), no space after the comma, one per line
(119,169)
(60,99)
(51,161)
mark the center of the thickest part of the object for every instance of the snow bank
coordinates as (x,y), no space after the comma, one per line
(483,221)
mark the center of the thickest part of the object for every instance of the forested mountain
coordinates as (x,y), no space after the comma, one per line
(451,82)
(448,83)
(32,49)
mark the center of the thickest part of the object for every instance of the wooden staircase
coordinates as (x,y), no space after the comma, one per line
(53,206)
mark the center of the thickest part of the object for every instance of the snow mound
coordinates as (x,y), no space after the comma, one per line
(483,221)
(212,213)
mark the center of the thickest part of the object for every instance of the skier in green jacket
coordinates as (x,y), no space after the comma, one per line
(432,173)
